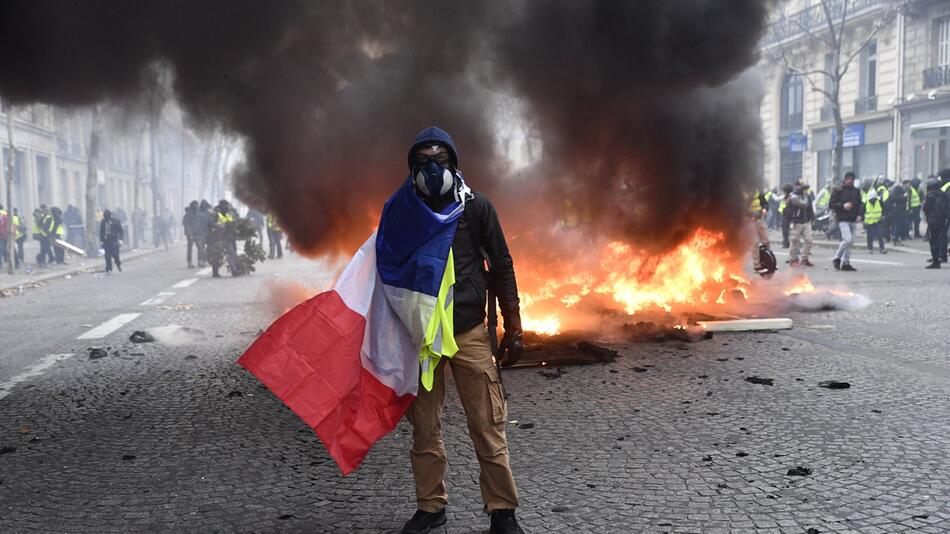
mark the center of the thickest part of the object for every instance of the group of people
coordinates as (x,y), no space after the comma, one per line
(890,212)
(275,235)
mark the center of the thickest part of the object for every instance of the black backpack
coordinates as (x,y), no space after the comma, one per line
(767,263)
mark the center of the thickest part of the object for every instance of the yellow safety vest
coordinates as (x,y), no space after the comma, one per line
(945,187)
(883,193)
(873,212)
(225,218)
(768,196)
(914,197)
(272,223)
(823,199)
(16,227)
(781,206)
(755,206)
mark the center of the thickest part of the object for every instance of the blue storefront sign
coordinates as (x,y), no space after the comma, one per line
(853,135)
(797,142)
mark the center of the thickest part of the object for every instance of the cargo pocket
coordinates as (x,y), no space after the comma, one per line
(495,395)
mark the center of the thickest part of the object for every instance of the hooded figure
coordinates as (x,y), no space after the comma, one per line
(434,171)
(111,235)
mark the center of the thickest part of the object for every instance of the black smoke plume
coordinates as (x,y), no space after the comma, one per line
(646,132)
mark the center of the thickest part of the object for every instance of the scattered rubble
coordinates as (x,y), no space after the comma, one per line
(834,384)
(140,336)
(759,380)
(97,352)
(7,449)
(645,331)
(799,471)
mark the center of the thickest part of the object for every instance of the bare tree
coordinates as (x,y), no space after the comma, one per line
(11,172)
(92,181)
(826,28)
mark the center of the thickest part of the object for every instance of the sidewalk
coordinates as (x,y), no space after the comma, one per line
(915,246)
(29,275)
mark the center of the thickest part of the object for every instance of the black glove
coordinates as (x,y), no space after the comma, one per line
(511,347)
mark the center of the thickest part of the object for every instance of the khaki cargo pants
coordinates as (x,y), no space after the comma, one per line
(480,391)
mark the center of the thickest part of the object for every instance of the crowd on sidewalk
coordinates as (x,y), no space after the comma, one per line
(889,212)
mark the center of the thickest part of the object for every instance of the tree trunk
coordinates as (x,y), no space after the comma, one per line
(153,158)
(11,172)
(92,181)
(135,188)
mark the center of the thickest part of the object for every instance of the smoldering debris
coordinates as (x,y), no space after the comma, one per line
(176,335)
(827,299)
(645,331)
(141,337)
(570,348)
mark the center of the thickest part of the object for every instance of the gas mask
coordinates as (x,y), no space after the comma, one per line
(432,180)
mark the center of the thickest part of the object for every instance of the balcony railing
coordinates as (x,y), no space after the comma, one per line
(936,76)
(866,104)
(813,19)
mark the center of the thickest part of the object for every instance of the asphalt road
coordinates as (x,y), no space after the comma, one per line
(172,436)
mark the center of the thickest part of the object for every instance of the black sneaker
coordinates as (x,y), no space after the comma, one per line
(934,265)
(504,522)
(847,267)
(837,263)
(423,522)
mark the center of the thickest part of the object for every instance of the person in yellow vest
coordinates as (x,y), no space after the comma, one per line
(20,234)
(758,210)
(913,206)
(5,222)
(42,230)
(57,233)
(274,237)
(873,216)
(222,232)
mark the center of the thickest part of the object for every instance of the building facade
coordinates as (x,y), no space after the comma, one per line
(797,119)
(52,162)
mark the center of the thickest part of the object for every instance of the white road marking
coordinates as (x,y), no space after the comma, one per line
(204,272)
(157,299)
(186,282)
(854,260)
(33,371)
(109,326)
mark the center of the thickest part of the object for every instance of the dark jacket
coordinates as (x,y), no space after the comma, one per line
(479,229)
(937,208)
(190,221)
(203,221)
(841,196)
(799,208)
(110,231)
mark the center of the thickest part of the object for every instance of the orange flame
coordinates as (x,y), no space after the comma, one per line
(699,273)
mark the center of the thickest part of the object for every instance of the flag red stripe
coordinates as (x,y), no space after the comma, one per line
(310,359)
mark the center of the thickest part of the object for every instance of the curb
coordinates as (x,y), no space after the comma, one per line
(61,274)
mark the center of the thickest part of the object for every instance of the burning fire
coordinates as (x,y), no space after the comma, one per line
(802,285)
(699,274)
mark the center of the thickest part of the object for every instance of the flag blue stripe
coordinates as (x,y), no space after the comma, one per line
(412,242)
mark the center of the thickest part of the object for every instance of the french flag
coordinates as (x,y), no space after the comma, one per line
(348,360)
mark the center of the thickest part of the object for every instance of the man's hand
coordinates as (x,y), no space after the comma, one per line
(848,205)
(511,348)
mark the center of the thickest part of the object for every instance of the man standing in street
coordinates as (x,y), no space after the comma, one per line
(873,214)
(913,206)
(433,163)
(203,222)
(937,212)
(274,237)
(800,216)
(111,235)
(847,205)
(42,228)
(189,224)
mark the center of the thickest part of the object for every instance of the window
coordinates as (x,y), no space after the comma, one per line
(869,71)
(43,182)
(792,102)
(943,42)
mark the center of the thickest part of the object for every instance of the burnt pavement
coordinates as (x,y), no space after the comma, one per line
(172,436)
